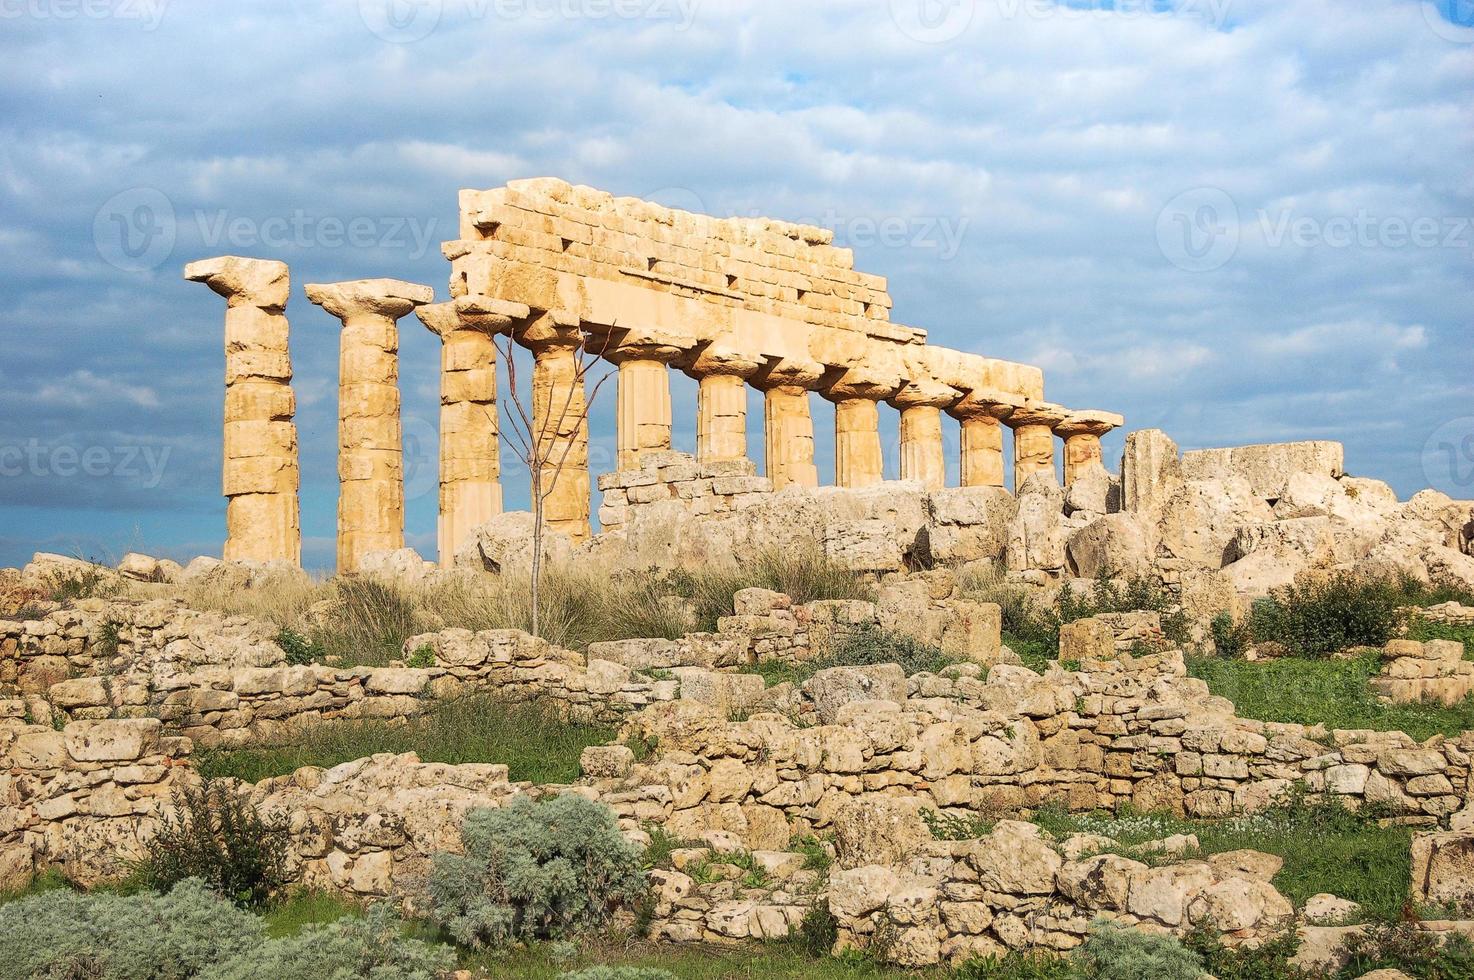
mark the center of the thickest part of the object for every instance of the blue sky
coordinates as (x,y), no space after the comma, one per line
(1238,220)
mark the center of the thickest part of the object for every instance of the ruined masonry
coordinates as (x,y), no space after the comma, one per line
(568,272)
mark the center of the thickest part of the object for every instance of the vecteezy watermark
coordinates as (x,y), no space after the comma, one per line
(136,230)
(407,21)
(933,21)
(1448,457)
(124,462)
(420,441)
(300,230)
(1198,230)
(1365,230)
(1452,20)
(939,233)
(147,13)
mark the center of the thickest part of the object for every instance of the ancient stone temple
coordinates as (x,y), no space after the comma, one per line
(569,273)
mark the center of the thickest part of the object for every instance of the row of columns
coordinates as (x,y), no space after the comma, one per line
(261,471)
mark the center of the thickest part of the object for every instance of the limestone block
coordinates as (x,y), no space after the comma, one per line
(1199,520)
(1443,867)
(1150,470)
(1267,468)
(1114,544)
(606,761)
(1036,534)
(879,831)
(122,740)
(835,687)
(862,546)
(1086,639)
(968,523)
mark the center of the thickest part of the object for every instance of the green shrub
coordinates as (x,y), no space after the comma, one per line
(1230,638)
(217,836)
(1118,953)
(372,946)
(422,657)
(69,935)
(300,651)
(818,932)
(1267,960)
(534,870)
(1326,615)
(1403,946)
(865,647)
(617,973)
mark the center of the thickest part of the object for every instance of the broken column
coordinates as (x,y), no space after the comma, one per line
(923,457)
(560,421)
(788,426)
(470,454)
(260,476)
(370,452)
(858,460)
(643,402)
(721,374)
(1033,439)
(981,415)
(1081,432)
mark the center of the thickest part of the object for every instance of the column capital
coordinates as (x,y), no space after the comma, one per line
(1089,422)
(924,393)
(391,298)
(243,281)
(787,372)
(551,329)
(480,313)
(720,359)
(664,353)
(871,383)
(986,403)
(1046,414)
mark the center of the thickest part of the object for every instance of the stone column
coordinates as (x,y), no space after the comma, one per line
(858,460)
(1081,432)
(370,451)
(470,454)
(923,457)
(260,476)
(643,410)
(981,417)
(559,420)
(721,401)
(788,426)
(1033,439)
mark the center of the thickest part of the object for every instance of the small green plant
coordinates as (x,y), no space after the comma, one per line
(1021,965)
(754,875)
(658,851)
(1416,952)
(218,837)
(542,869)
(93,582)
(299,649)
(1230,638)
(818,931)
(951,826)
(109,634)
(816,855)
(1268,959)
(1116,953)
(422,657)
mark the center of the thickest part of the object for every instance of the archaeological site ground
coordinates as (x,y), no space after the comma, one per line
(1169,715)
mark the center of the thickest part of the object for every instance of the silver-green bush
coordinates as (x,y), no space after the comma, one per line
(534,870)
(67,935)
(1119,953)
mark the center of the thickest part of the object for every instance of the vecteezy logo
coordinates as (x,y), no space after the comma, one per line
(1198,230)
(1448,457)
(1452,20)
(421,443)
(932,21)
(400,21)
(134,229)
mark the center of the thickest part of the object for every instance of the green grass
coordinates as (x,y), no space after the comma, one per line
(866,647)
(1421,629)
(531,739)
(303,908)
(1326,847)
(1331,692)
(803,574)
(774,961)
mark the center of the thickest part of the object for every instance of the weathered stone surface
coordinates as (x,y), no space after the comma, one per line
(1267,468)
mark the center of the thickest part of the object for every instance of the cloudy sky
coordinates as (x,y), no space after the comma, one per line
(1237,220)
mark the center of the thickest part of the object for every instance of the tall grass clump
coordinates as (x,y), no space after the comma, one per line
(803,572)
(532,740)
